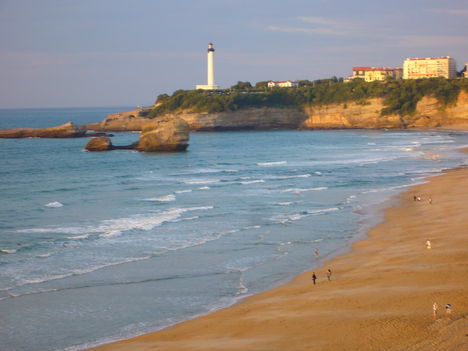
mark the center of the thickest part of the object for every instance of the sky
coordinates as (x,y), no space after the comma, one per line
(87,53)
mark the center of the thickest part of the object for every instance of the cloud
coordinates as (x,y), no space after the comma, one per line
(456,12)
(320,26)
(435,41)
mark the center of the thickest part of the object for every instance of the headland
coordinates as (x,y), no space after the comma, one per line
(380,296)
(328,104)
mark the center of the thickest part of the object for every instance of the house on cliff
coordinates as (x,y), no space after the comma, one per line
(282,84)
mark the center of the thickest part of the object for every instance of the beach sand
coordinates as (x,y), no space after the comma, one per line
(380,297)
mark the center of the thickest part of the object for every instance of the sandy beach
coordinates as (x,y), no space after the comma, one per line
(380,296)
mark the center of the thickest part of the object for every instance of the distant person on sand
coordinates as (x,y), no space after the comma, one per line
(329,274)
(428,245)
(430,201)
(435,308)
(314,277)
(316,252)
(414,198)
(448,310)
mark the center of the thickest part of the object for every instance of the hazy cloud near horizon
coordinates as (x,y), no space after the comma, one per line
(56,53)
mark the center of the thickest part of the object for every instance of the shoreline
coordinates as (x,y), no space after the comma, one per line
(380,296)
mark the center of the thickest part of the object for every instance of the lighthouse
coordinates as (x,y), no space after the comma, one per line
(211,85)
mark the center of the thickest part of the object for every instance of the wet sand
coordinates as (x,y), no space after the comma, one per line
(380,296)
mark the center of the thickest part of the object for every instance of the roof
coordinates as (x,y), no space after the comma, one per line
(375,69)
(428,58)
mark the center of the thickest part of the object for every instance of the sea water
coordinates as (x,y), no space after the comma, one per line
(96,247)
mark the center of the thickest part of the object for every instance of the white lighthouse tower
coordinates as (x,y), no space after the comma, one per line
(211,85)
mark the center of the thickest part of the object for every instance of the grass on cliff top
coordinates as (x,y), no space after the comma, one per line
(400,96)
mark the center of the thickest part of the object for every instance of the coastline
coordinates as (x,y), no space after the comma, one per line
(380,296)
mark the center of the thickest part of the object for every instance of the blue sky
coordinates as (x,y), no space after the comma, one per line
(64,53)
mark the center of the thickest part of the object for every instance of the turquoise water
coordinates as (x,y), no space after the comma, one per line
(98,247)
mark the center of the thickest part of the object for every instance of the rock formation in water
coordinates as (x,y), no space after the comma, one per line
(166,133)
(99,144)
(67,130)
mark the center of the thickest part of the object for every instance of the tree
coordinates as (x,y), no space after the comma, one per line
(162,98)
(242,86)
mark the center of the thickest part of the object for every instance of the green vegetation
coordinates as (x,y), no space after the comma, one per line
(400,96)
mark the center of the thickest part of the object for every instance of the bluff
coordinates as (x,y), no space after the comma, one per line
(365,114)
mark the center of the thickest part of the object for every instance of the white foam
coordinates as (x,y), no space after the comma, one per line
(272,163)
(39,280)
(201,181)
(284,203)
(183,191)
(78,237)
(113,227)
(350,198)
(204,188)
(7,251)
(387,188)
(252,181)
(301,190)
(54,204)
(165,198)
(293,176)
(297,216)
(252,227)
(318,173)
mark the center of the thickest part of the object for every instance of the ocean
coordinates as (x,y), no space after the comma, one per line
(97,247)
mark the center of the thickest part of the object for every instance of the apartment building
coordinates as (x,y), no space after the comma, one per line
(429,67)
(370,74)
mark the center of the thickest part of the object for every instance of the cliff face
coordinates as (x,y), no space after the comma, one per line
(428,115)
(334,116)
(254,118)
(350,115)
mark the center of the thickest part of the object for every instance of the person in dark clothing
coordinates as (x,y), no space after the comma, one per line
(314,277)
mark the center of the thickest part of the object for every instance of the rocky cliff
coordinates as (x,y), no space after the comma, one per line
(429,114)
(122,121)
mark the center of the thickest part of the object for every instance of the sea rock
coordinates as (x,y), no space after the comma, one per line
(166,133)
(102,143)
(67,130)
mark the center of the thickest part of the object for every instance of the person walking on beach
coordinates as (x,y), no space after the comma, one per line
(428,245)
(435,308)
(430,200)
(316,252)
(314,277)
(448,310)
(329,274)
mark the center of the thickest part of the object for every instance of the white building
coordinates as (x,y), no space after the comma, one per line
(211,85)
(429,67)
(282,84)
